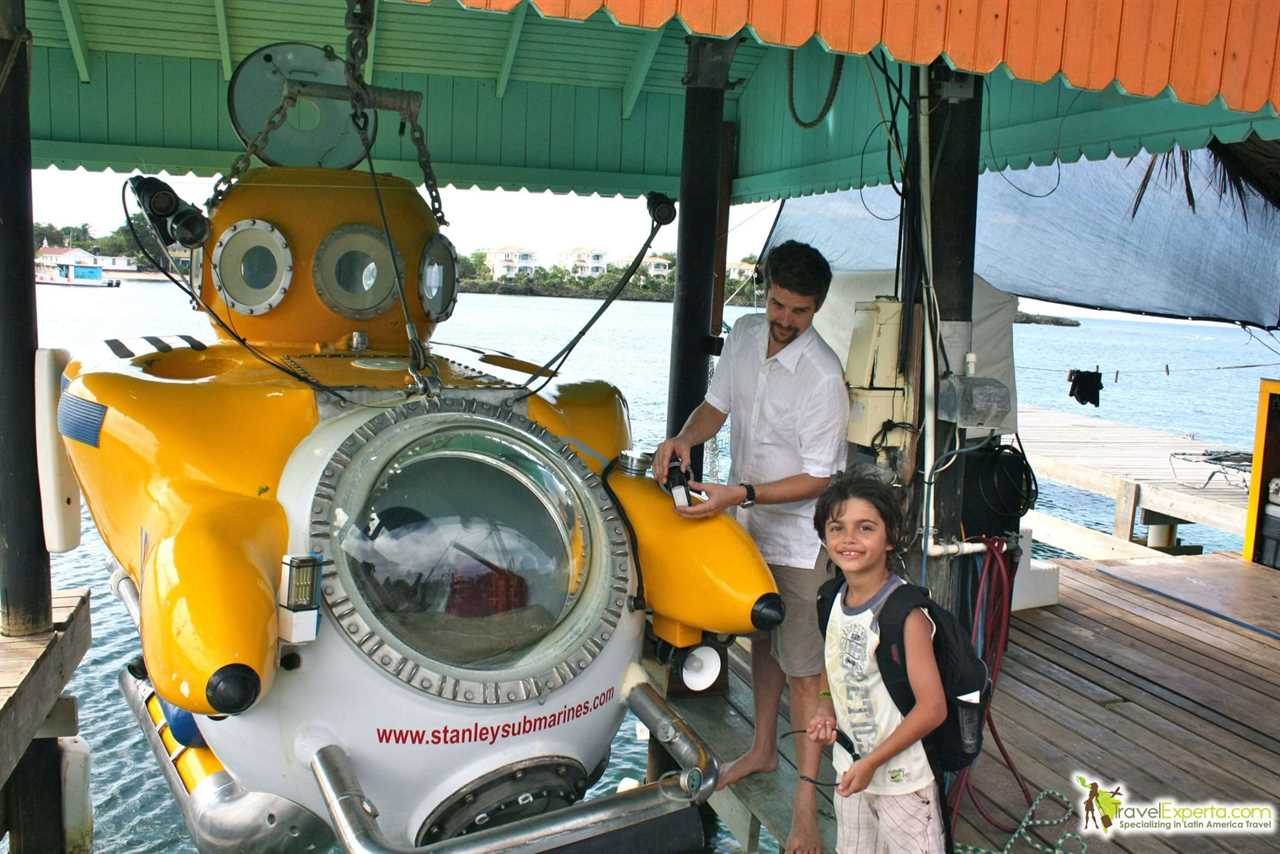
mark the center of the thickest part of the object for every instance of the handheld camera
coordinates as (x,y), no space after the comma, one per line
(677,483)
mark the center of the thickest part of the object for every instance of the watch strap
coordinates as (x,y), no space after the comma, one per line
(751,494)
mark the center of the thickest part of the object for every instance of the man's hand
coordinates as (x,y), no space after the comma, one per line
(673,447)
(719,497)
(822,729)
(857,778)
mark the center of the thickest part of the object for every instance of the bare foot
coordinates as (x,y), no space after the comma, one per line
(745,765)
(804,837)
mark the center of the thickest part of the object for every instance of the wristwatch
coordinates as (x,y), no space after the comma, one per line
(751,495)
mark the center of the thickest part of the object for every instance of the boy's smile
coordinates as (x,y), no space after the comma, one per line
(856,538)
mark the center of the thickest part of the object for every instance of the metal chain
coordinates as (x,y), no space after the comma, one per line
(359,22)
(21,39)
(257,144)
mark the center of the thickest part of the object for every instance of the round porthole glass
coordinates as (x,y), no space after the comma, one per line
(252,266)
(468,548)
(354,272)
(438,277)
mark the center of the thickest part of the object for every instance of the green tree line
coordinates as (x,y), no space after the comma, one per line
(118,243)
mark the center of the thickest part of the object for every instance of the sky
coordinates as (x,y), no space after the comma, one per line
(548,223)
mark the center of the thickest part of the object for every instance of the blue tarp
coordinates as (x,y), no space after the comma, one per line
(1064,234)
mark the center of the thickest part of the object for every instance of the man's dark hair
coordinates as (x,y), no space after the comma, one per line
(885,498)
(799,268)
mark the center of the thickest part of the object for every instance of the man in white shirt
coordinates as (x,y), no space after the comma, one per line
(783,390)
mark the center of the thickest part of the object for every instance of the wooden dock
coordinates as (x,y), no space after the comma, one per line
(33,672)
(1115,681)
(1134,466)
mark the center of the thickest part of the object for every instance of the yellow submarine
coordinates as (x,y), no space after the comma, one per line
(383,596)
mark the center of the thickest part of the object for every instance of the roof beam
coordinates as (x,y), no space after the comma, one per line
(367,71)
(640,66)
(75,35)
(513,42)
(224,37)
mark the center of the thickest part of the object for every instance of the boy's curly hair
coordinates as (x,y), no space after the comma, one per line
(885,498)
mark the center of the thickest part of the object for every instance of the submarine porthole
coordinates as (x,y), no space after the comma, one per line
(467,548)
(252,266)
(472,557)
(258,267)
(354,273)
(437,277)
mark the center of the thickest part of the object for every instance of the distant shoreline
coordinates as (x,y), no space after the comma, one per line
(521,289)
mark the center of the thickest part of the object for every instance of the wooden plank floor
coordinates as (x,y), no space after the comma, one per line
(1114,681)
(1100,456)
(35,669)
(1224,584)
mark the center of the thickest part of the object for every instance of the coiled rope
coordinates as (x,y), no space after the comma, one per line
(1029,821)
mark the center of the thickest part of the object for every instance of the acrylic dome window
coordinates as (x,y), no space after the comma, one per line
(353,272)
(438,277)
(252,266)
(467,547)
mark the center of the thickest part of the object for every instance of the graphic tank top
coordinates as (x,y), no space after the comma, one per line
(864,710)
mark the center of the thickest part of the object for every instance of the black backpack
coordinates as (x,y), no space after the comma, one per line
(958,740)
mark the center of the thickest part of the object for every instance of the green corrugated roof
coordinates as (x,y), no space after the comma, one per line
(155,99)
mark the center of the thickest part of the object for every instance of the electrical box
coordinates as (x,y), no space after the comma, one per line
(869,409)
(873,347)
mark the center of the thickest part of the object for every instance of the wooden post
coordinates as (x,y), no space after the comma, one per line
(1126,510)
(706,79)
(33,801)
(955,136)
(728,165)
(25,595)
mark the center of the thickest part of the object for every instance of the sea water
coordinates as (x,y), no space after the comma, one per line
(629,347)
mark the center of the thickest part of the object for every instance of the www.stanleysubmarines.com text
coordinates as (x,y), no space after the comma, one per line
(478,733)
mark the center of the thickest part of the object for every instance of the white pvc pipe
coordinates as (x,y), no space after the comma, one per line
(944,550)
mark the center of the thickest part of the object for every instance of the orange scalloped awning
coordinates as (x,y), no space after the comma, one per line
(1199,48)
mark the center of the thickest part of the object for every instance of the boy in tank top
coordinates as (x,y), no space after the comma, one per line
(886,799)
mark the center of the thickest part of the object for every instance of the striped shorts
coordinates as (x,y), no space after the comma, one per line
(889,824)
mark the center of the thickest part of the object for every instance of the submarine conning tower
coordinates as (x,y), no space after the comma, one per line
(300,257)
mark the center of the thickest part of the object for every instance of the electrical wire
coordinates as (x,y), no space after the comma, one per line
(553,365)
(189,290)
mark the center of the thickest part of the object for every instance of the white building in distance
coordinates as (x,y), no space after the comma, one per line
(585,261)
(506,262)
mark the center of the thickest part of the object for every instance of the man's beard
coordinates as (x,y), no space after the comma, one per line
(780,334)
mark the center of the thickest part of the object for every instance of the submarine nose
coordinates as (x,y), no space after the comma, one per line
(233,688)
(768,612)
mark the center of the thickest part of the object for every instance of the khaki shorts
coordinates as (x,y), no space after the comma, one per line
(797,644)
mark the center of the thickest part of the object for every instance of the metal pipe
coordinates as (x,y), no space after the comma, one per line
(930,367)
(26,596)
(354,817)
(380,97)
(221,815)
(127,592)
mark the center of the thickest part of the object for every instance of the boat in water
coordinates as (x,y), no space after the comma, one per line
(384,596)
(70,266)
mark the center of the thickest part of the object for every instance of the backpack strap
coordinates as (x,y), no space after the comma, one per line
(827,594)
(891,653)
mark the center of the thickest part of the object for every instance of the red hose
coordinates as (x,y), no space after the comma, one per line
(993,599)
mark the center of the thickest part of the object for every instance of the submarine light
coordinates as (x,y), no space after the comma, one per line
(174,220)
(701,668)
(299,598)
